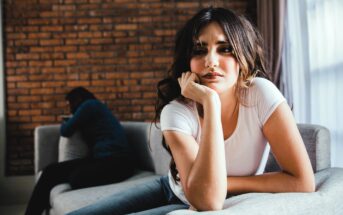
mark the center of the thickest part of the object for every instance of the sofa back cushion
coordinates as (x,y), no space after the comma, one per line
(317,142)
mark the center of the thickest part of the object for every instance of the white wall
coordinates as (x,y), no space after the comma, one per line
(13,190)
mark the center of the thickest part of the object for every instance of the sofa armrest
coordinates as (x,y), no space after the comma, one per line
(146,140)
(46,139)
(317,142)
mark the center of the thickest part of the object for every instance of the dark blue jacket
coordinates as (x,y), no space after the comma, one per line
(99,128)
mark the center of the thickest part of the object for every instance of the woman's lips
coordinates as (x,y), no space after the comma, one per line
(212,75)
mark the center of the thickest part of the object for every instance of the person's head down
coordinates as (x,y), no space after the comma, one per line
(77,96)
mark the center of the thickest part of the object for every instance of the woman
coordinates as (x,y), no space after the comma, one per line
(217,116)
(108,162)
(217,124)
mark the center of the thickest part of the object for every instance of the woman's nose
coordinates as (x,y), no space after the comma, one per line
(211,60)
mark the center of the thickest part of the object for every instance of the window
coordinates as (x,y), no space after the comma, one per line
(314,57)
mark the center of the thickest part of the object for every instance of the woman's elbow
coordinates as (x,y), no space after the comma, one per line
(309,187)
(209,204)
(306,185)
(206,201)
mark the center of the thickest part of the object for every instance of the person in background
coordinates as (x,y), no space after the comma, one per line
(110,157)
(217,114)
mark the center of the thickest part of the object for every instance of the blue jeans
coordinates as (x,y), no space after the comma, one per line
(152,198)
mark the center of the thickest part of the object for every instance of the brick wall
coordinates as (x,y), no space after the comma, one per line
(118,49)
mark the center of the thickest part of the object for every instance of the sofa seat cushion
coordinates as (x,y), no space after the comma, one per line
(65,200)
(57,190)
(326,200)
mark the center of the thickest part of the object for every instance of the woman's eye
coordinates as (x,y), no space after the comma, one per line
(199,51)
(226,49)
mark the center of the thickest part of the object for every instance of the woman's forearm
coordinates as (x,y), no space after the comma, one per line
(207,179)
(270,182)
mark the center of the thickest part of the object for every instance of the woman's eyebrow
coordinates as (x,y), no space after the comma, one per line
(219,42)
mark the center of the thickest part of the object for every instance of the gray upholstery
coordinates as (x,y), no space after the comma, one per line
(152,160)
(317,143)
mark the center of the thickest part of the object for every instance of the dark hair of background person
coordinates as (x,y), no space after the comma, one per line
(247,48)
(77,96)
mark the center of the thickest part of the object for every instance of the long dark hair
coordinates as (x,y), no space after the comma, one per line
(247,47)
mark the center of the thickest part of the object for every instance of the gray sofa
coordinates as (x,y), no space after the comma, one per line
(152,161)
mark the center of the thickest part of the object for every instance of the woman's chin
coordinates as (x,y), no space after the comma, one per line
(214,87)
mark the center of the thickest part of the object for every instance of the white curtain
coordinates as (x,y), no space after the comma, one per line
(313,57)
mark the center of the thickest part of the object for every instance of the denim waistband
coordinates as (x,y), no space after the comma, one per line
(170,196)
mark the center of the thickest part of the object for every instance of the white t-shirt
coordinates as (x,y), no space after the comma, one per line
(246,150)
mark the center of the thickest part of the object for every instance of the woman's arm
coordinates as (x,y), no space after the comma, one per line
(80,118)
(201,167)
(289,150)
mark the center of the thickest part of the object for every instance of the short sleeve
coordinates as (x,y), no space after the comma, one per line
(178,117)
(268,98)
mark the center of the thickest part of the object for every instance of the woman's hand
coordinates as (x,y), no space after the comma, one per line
(191,89)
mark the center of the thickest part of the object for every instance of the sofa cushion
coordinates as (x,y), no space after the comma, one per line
(326,200)
(70,200)
(72,147)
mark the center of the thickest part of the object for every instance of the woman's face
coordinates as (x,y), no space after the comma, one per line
(213,60)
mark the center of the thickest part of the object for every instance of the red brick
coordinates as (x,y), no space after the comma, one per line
(89,21)
(26,42)
(28,84)
(29,56)
(126,27)
(78,83)
(40,63)
(89,34)
(14,36)
(53,70)
(31,112)
(42,91)
(64,63)
(16,78)
(39,35)
(28,70)
(10,64)
(27,29)
(65,48)
(43,119)
(163,60)
(43,105)
(52,56)
(41,49)
(52,28)
(79,55)
(102,41)
(102,54)
(41,77)
(18,91)
(82,41)
(88,7)
(12,113)
(49,14)
(39,21)
(28,98)
(90,48)
(52,42)
(63,7)
(75,1)
(65,35)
